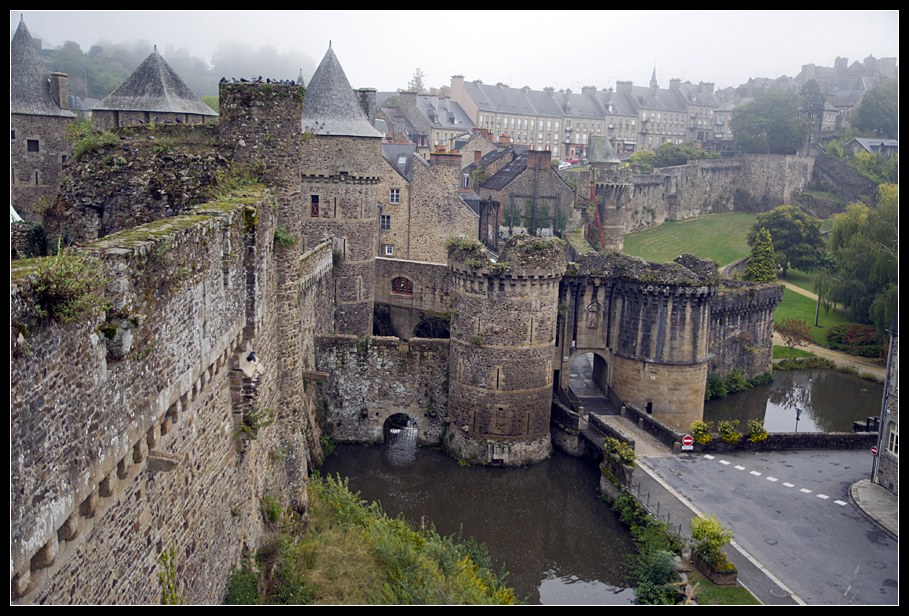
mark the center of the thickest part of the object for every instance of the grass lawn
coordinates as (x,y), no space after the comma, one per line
(720,237)
(783,352)
(708,593)
(801,278)
(795,306)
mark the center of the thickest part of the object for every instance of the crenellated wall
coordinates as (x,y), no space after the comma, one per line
(748,183)
(372,378)
(741,328)
(127,427)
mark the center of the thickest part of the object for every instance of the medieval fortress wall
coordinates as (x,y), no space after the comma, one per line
(161,426)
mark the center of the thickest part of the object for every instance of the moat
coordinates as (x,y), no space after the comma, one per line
(544,524)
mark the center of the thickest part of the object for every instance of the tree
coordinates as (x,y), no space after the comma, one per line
(863,245)
(813,102)
(795,332)
(878,113)
(770,124)
(796,237)
(416,82)
(762,264)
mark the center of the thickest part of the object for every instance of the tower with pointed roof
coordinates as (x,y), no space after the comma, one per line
(153,93)
(38,118)
(340,169)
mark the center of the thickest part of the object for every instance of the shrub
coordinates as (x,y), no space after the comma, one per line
(243,586)
(710,536)
(736,382)
(716,387)
(284,239)
(756,431)
(620,450)
(727,431)
(69,286)
(702,432)
(85,139)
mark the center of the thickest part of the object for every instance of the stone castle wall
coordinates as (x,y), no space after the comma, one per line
(750,183)
(372,378)
(35,176)
(741,328)
(127,437)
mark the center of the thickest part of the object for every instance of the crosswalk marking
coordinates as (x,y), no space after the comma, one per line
(788,485)
(755,473)
(805,490)
(708,456)
(725,462)
(822,496)
(771,479)
(739,468)
(839,502)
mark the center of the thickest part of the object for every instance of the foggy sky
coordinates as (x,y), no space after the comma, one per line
(562,49)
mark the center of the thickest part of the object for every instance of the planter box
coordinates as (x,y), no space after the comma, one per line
(722,578)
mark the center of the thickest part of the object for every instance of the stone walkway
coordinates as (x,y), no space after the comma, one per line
(879,504)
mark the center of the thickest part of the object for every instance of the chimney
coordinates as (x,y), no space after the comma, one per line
(407,99)
(367,98)
(674,84)
(477,155)
(58,89)
(588,90)
(539,159)
(452,159)
(549,91)
(623,87)
(505,139)
(707,86)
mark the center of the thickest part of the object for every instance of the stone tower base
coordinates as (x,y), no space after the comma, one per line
(504,452)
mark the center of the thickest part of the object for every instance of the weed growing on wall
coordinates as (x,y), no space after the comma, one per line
(69,286)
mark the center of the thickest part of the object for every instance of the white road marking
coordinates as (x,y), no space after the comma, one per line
(840,503)
(755,473)
(822,496)
(739,468)
(708,456)
(772,479)
(805,490)
(725,462)
(788,485)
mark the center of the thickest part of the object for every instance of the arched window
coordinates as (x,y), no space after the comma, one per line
(401,286)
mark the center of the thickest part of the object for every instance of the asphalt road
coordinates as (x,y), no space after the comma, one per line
(792,513)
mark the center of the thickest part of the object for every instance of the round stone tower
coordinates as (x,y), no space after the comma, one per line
(501,354)
(340,166)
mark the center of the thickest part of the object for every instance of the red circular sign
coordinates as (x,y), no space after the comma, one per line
(874,451)
(687,440)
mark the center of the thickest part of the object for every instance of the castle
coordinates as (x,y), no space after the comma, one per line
(238,333)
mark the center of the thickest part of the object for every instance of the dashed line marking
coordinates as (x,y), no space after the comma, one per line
(772,479)
(755,473)
(788,485)
(805,490)
(822,496)
(725,462)
(708,456)
(739,468)
(840,503)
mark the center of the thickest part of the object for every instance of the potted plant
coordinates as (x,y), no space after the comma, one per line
(707,554)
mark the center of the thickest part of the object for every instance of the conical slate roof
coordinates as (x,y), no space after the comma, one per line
(154,86)
(28,79)
(330,107)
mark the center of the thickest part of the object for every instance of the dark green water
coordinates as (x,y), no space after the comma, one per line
(545,524)
(802,401)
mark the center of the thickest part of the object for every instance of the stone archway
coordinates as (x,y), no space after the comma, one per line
(400,432)
(432,327)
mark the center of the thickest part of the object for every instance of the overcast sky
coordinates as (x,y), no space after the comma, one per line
(563,49)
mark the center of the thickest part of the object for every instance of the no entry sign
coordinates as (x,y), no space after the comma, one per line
(687,442)
(873,451)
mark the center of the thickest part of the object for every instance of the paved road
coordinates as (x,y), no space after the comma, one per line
(791,512)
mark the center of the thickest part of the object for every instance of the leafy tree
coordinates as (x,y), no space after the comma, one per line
(878,113)
(863,245)
(813,101)
(795,332)
(796,237)
(416,82)
(770,124)
(671,154)
(762,264)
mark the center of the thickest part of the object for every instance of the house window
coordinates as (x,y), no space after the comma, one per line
(314,206)
(385,222)
(12,135)
(893,440)
(395,196)
(32,145)
(401,285)
(388,249)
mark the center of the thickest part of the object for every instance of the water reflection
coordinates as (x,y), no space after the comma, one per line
(802,401)
(545,524)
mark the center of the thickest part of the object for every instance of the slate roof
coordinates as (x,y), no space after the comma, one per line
(870,143)
(490,157)
(330,106)
(508,173)
(28,79)
(443,113)
(154,87)
(579,106)
(471,200)
(392,152)
(519,101)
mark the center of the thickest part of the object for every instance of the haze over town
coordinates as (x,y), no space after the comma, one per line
(562,49)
